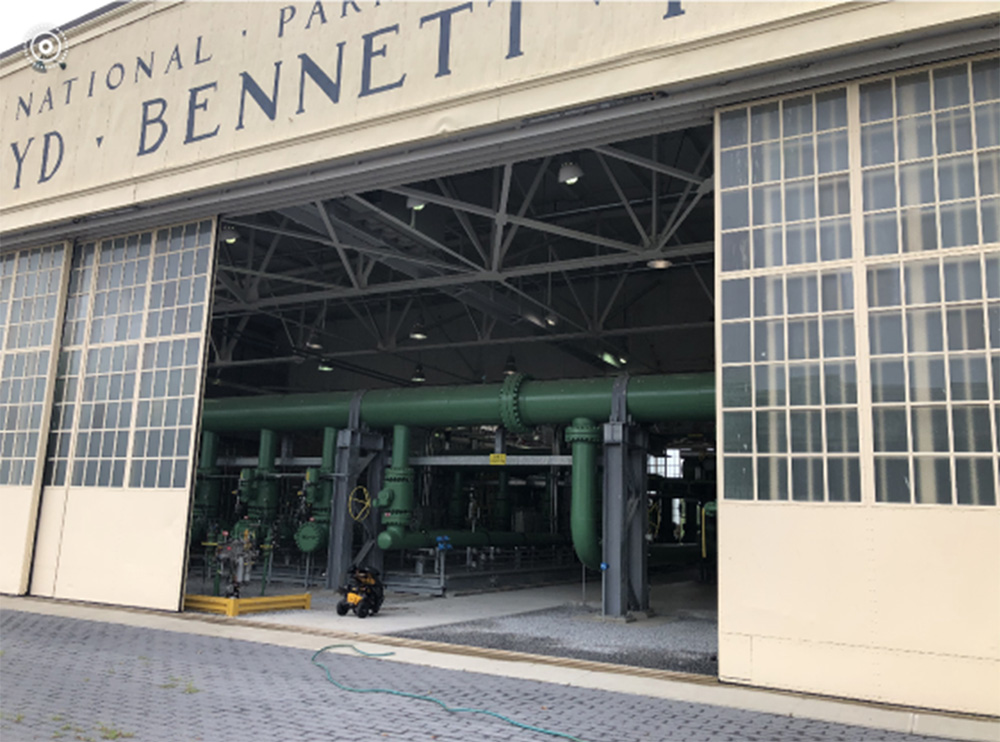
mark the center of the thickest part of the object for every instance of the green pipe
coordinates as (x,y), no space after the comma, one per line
(312,535)
(584,436)
(268,450)
(396,498)
(649,399)
(208,490)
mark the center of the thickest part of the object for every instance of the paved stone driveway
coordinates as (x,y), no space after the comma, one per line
(73,679)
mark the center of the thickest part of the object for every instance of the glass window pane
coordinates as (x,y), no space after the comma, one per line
(770,380)
(767,204)
(879,186)
(797,114)
(769,340)
(838,290)
(735,250)
(800,242)
(800,201)
(886,333)
(972,428)
(986,79)
(772,478)
(831,151)
(834,195)
(990,211)
(733,128)
(736,386)
(767,247)
(966,329)
(807,431)
(835,239)
(951,87)
(736,299)
(733,168)
(735,209)
(807,480)
(930,428)
(932,481)
(962,279)
(802,294)
(738,432)
(881,236)
(877,144)
(956,178)
(831,109)
(890,428)
(764,122)
(803,384)
(919,229)
(739,478)
(736,342)
(915,138)
(888,382)
(803,338)
(842,431)
(923,282)
(844,476)
(876,101)
(989,173)
(765,162)
(841,383)
(838,337)
(768,296)
(969,378)
(927,382)
(883,286)
(988,125)
(975,481)
(913,94)
(771,435)
(953,130)
(916,184)
(892,480)
(924,331)
(798,157)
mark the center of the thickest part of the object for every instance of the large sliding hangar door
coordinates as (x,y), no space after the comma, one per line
(308,133)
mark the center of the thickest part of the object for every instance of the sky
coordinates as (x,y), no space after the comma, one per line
(21,17)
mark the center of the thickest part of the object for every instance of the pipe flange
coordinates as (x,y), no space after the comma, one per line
(399,475)
(510,403)
(584,433)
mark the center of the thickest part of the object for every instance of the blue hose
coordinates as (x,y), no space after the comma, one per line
(432,699)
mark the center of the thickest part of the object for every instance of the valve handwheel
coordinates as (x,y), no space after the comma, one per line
(359,504)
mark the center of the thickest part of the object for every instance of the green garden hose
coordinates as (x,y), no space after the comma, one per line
(432,699)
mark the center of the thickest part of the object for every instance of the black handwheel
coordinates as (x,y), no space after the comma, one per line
(362,609)
(343,607)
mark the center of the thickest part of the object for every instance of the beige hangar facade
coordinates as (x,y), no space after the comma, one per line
(854,169)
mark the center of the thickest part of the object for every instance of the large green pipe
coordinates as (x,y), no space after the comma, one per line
(461,539)
(650,399)
(396,498)
(584,436)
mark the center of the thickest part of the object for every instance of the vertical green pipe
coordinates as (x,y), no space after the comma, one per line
(208,490)
(396,498)
(264,503)
(312,535)
(584,436)
(329,454)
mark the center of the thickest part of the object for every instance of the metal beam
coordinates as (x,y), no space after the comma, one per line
(645,162)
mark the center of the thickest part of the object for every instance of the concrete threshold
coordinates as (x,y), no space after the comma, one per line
(674,686)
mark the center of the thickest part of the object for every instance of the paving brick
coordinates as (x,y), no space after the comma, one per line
(163,686)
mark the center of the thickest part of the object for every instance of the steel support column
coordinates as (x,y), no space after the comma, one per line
(625,584)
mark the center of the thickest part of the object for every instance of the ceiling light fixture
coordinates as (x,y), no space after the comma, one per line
(228,234)
(551,320)
(659,263)
(510,367)
(414,203)
(570,173)
(418,374)
(325,364)
(418,332)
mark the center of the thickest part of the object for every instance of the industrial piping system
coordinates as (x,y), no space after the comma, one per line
(518,404)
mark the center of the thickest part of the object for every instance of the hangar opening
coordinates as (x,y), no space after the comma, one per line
(418,379)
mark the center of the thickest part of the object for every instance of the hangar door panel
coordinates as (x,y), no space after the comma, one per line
(31,285)
(114,513)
